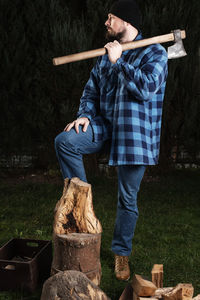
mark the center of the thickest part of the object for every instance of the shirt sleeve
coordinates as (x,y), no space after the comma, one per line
(89,102)
(145,80)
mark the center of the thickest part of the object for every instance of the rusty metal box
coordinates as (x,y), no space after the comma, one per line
(24,263)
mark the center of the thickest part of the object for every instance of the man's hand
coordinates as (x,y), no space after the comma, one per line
(81,121)
(114,51)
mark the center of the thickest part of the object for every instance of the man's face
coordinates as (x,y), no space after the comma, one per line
(115,28)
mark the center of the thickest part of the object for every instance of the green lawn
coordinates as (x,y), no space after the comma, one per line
(168,229)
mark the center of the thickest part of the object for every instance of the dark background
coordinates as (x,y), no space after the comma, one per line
(39,99)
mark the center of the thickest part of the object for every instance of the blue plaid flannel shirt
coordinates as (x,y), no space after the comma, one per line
(124,103)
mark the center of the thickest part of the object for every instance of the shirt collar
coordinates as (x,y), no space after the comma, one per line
(138,37)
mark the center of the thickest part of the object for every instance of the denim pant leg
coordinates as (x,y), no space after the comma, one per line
(70,147)
(129,179)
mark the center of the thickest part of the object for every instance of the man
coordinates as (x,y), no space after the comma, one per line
(121,103)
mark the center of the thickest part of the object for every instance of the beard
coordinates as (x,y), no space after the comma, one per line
(111,36)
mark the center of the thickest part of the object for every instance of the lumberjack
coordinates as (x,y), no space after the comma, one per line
(121,105)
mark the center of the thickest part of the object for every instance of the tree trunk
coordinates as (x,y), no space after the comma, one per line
(77,232)
(78,251)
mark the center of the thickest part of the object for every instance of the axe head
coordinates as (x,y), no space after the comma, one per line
(177,50)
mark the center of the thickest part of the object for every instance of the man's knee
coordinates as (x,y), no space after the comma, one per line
(67,140)
(61,140)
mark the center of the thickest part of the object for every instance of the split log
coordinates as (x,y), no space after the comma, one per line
(183,291)
(159,292)
(143,287)
(157,275)
(197,297)
(80,252)
(136,297)
(74,211)
(127,293)
(70,285)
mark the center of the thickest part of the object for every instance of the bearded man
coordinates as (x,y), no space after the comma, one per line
(121,103)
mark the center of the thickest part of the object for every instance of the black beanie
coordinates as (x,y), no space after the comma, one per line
(128,11)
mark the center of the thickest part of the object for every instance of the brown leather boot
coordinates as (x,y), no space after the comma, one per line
(122,270)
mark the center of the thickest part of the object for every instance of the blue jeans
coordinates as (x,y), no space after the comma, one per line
(70,148)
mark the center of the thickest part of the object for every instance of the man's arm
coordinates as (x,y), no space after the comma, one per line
(89,102)
(143,81)
(88,108)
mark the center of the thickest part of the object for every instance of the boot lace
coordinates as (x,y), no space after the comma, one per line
(121,263)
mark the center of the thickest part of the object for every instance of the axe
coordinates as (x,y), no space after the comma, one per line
(175,51)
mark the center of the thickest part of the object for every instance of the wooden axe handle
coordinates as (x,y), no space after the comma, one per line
(126,46)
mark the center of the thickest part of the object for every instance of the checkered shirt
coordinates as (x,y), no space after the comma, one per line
(124,103)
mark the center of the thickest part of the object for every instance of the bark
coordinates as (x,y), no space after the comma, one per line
(71,285)
(78,251)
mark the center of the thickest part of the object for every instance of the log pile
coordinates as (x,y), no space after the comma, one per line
(142,289)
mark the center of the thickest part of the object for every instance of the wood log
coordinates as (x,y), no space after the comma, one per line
(144,298)
(183,291)
(157,275)
(159,292)
(197,297)
(74,211)
(135,296)
(143,287)
(80,252)
(70,285)
(127,293)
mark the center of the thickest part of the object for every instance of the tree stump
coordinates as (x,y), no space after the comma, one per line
(74,211)
(80,252)
(77,232)
(70,285)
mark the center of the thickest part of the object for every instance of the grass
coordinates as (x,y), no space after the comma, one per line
(167,231)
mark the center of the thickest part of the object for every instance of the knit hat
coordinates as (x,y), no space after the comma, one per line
(128,11)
